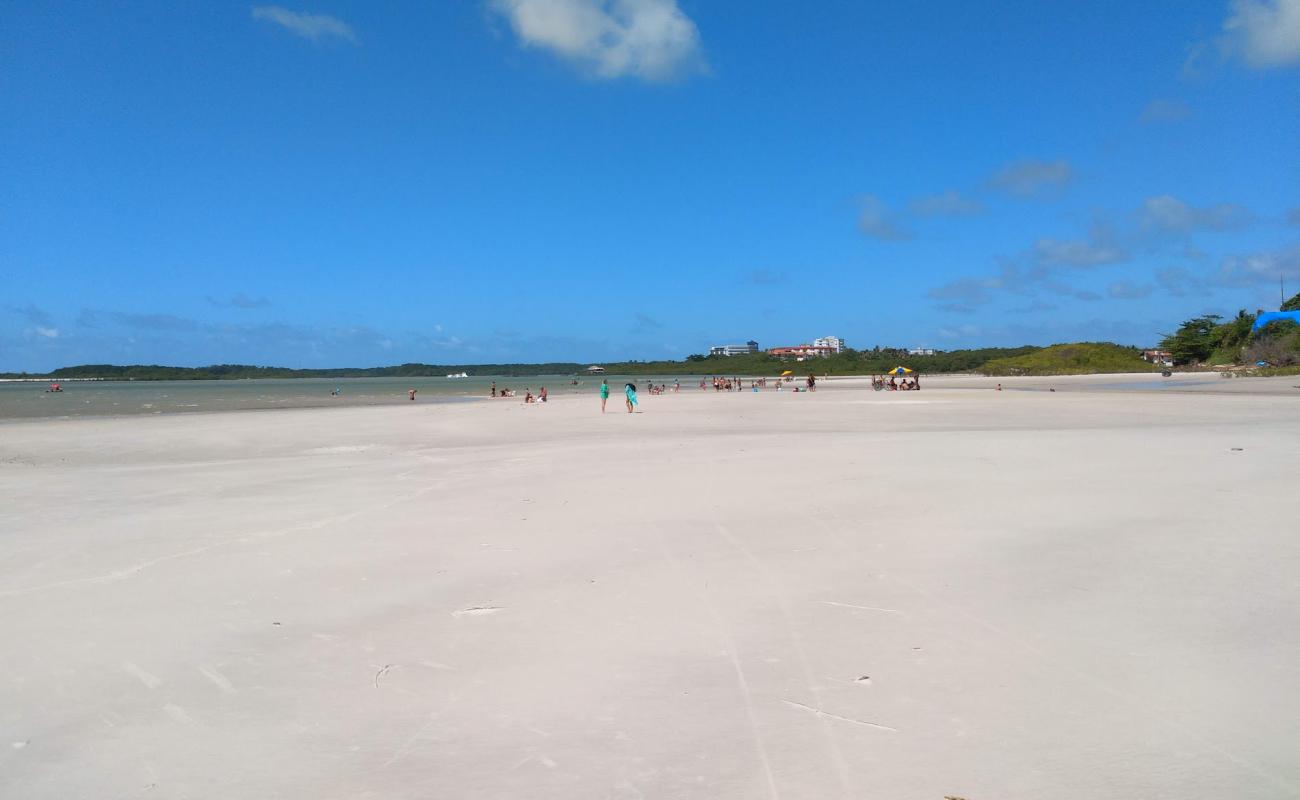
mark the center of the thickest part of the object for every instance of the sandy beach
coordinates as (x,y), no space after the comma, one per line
(1085,593)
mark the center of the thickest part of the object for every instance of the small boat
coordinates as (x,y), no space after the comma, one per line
(458,375)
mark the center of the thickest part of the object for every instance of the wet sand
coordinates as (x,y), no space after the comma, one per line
(1083,593)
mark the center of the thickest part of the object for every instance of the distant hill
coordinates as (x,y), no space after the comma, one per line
(850,362)
(1079,358)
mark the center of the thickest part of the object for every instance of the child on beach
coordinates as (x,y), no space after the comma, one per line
(629,391)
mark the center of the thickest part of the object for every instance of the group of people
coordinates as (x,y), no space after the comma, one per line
(722,384)
(895,385)
(529,397)
(733,384)
(629,395)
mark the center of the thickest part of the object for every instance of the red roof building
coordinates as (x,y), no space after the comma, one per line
(801,351)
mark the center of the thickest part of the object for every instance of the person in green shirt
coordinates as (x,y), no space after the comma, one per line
(629,391)
(604,394)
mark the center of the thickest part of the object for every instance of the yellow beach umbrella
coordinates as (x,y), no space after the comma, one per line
(899,371)
(787,372)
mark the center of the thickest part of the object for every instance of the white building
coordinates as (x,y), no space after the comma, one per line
(734,349)
(921,351)
(833,342)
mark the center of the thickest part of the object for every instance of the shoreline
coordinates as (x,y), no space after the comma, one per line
(1131,383)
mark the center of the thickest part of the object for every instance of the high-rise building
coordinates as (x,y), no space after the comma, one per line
(734,349)
(833,342)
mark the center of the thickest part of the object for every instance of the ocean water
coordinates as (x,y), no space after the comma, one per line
(25,400)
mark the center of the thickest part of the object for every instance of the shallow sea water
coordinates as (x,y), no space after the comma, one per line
(26,400)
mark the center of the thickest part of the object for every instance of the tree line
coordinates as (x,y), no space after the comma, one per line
(1210,339)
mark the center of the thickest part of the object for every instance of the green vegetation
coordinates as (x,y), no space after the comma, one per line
(1273,372)
(1291,305)
(1207,339)
(1082,358)
(850,362)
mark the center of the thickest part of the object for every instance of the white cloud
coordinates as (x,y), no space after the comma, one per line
(965,292)
(1168,214)
(1161,110)
(1179,282)
(959,332)
(316,27)
(47,333)
(1031,177)
(1257,268)
(647,39)
(1266,33)
(876,221)
(946,204)
(1098,249)
(1126,290)
(1040,268)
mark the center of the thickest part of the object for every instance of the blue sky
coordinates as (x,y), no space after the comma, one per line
(340,184)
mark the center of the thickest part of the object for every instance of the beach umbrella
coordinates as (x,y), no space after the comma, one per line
(899,371)
(787,372)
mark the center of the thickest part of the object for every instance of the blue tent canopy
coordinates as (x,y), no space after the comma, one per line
(1274,316)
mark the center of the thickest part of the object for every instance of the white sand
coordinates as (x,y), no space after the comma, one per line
(1080,594)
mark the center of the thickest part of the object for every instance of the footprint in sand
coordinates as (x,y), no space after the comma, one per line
(150,681)
(220,681)
(476,611)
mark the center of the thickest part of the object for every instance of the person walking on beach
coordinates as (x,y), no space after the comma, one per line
(494,388)
(604,393)
(629,392)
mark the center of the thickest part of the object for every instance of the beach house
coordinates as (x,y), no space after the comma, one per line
(1158,357)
